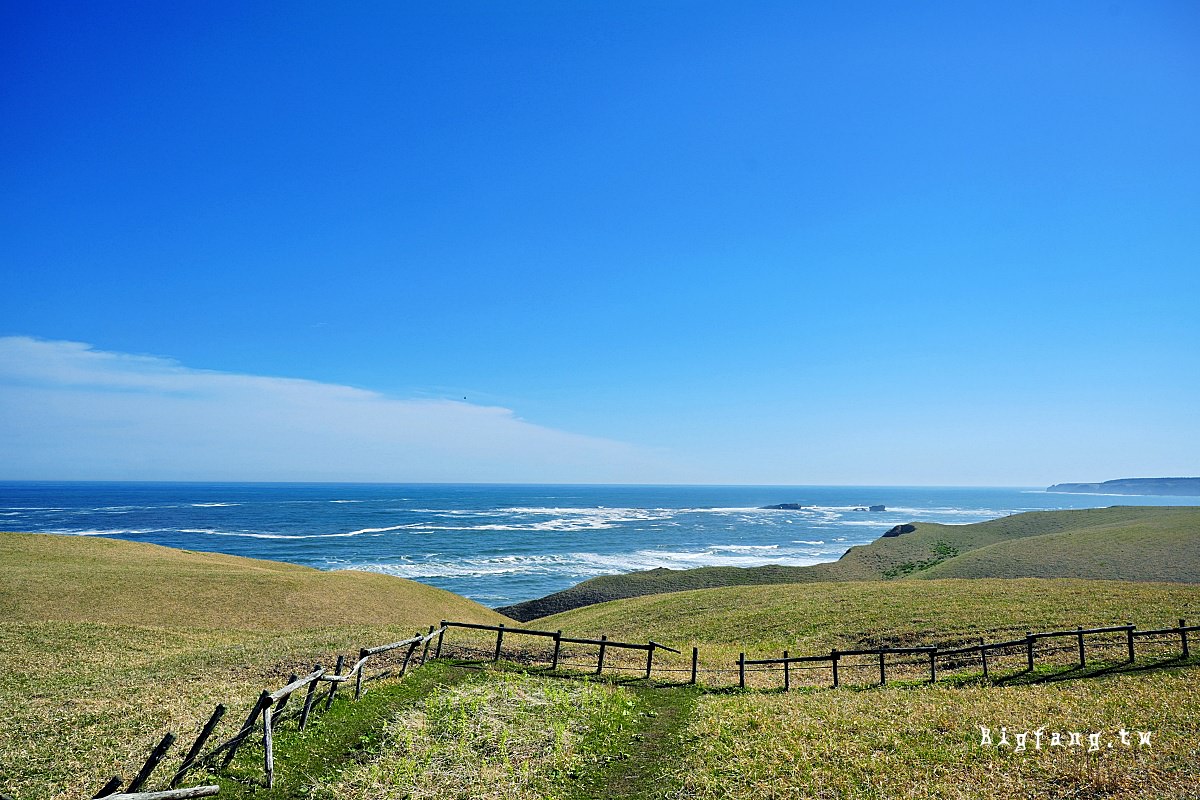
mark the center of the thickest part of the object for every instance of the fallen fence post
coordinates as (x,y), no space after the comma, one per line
(172,794)
(308,698)
(361,667)
(600,660)
(742,670)
(198,745)
(156,756)
(833,656)
(787,672)
(1183,636)
(557,648)
(341,662)
(1129,636)
(437,653)
(499,641)
(114,783)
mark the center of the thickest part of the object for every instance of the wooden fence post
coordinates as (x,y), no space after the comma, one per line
(1029,649)
(983,657)
(882,667)
(362,667)
(933,665)
(787,673)
(341,662)
(695,662)
(114,783)
(264,699)
(284,700)
(198,745)
(412,648)
(557,649)
(1082,656)
(649,659)
(1129,635)
(499,641)
(437,653)
(425,651)
(268,748)
(1183,636)
(156,755)
(742,670)
(308,698)
(600,661)
(834,657)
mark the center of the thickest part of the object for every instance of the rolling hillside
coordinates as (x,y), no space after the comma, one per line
(1122,542)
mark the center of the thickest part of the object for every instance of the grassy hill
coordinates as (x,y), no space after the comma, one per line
(110,643)
(1122,542)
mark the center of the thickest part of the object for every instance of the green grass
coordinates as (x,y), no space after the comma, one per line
(109,644)
(1119,543)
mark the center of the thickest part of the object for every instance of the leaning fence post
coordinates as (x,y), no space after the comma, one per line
(557,648)
(156,755)
(283,701)
(649,659)
(362,667)
(308,698)
(499,641)
(437,653)
(1183,636)
(833,656)
(1029,649)
(1129,635)
(264,700)
(114,783)
(787,672)
(341,662)
(412,648)
(600,661)
(428,639)
(198,745)
(695,662)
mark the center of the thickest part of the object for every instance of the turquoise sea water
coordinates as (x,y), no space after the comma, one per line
(502,544)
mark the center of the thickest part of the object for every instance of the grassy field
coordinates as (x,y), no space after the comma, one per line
(1120,543)
(108,644)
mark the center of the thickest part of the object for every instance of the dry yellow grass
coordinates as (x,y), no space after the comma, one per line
(108,644)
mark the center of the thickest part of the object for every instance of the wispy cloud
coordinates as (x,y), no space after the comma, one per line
(70,411)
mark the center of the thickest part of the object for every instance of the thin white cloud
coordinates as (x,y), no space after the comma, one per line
(70,411)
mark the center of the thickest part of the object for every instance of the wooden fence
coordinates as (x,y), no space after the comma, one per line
(272,708)
(933,659)
(267,712)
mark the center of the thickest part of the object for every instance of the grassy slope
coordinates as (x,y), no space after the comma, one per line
(920,742)
(110,643)
(1125,542)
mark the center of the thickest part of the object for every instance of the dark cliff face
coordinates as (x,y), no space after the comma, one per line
(1175,487)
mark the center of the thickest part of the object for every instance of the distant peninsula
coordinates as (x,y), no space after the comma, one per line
(1180,487)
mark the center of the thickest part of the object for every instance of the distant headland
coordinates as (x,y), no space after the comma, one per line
(1185,487)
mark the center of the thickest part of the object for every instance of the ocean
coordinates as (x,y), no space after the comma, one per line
(501,544)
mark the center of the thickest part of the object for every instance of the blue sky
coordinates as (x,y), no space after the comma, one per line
(933,243)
